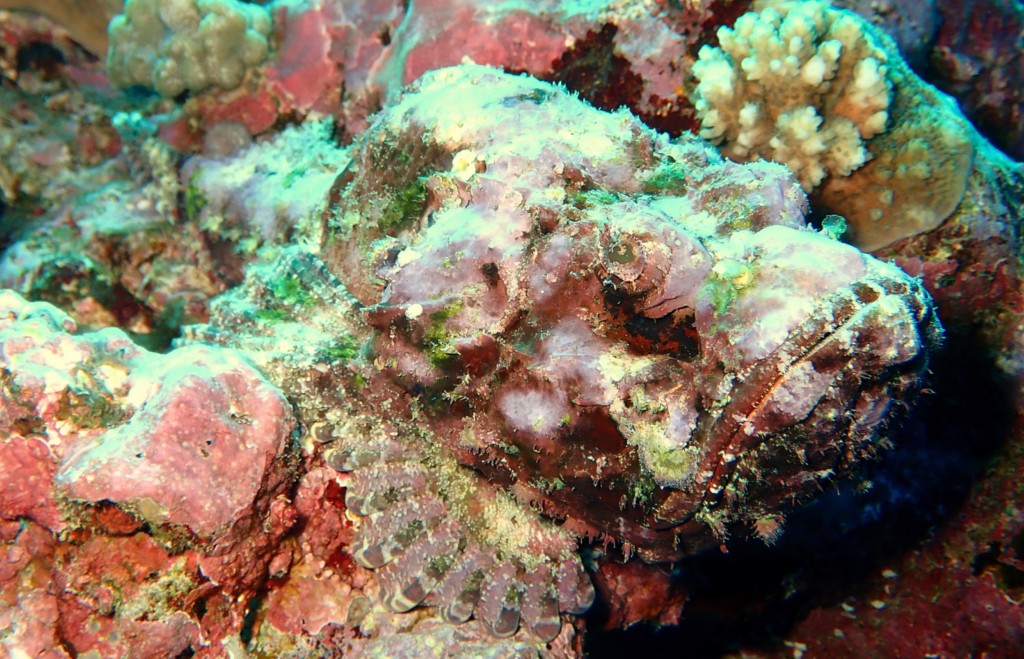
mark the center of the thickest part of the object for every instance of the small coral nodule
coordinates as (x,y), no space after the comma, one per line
(591,333)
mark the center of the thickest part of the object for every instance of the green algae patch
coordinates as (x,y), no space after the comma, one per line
(290,291)
(437,339)
(195,200)
(667,178)
(293,176)
(406,204)
(345,349)
(728,277)
(287,295)
(720,292)
(671,465)
(583,199)
(834,226)
(273,315)
(667,464)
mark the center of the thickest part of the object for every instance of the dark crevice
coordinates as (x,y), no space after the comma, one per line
(673,334)
(593,70)
(252,611)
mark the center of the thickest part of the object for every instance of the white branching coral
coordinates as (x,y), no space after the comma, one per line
(178,45)
(798,83)
(825,93)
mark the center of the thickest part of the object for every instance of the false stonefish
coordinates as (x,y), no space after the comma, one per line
(522,323)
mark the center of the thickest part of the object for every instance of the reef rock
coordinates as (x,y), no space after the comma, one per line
(523,322)
(134,485)
(187,439)
(977,58)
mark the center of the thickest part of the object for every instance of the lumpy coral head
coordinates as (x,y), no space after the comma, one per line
(635,336)
(175,46)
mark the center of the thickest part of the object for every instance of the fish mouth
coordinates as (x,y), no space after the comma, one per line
(814,407)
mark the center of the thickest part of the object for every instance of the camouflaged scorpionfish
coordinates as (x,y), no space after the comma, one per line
(525,322)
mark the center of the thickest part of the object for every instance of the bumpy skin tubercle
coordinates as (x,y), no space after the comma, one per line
(526,322)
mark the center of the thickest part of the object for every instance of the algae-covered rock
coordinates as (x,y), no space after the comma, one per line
(190,439)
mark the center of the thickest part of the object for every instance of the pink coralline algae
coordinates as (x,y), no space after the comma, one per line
(364,52)
(102,439)
(977,57)
(122,426)
(550,323)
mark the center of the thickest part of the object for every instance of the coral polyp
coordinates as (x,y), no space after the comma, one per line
(525,323)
